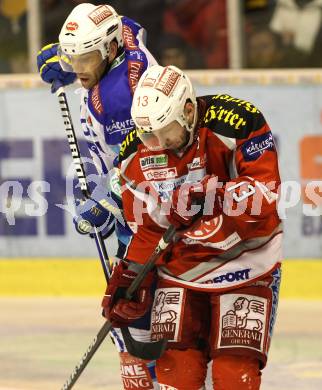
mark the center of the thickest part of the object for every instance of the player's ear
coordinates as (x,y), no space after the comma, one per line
(189,110)
(113,50)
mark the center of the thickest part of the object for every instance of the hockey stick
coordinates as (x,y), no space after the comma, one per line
(153,350)
(79,167)
(150,349)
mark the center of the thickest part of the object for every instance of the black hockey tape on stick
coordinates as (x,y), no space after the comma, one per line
(79,167)
(152,350)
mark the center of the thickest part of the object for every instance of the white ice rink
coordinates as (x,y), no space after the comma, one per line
(42,339)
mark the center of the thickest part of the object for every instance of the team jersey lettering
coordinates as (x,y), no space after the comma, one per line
(158,161)
(231,276)
(129,139)
(240,103)
(129,38)
(135,70)
(96,99)
(228,116)
(253,148)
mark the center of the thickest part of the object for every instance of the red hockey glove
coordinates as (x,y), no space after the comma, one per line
(119,311)
(190,202)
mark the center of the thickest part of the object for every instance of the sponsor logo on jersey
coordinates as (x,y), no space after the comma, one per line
(230,277)
(134,71)
(224,245)
(100,14)
(243,321)
(256,146)
(165,188)
(71,26)
(157,161)
(219,113)
(123,126)
(127,141)
(206,229)
(129,38)
(240,103)
(135,373)
(166,313)
(197,162)
(96,99)
(167,81)
(160,174)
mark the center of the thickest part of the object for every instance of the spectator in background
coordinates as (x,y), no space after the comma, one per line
(202,25)
(264,50)
(54,13)
(13,36)
(175,51)
(149,13)
(299,24)
(259,12)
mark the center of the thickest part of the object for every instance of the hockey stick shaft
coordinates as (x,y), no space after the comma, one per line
(79,167)
(162,245)
(93,347)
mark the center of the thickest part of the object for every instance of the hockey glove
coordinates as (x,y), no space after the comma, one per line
(190,202)
(49,68)
(119,311)
(96,211)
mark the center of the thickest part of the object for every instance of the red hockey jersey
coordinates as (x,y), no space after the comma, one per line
(241,240)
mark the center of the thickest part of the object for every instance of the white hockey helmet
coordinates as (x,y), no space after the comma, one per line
(88,28)
(159,99)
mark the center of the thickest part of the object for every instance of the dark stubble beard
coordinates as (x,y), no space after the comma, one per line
(181,148)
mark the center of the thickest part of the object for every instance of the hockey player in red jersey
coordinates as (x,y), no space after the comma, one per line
(208,166)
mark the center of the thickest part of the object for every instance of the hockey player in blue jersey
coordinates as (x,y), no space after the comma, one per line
(106,52)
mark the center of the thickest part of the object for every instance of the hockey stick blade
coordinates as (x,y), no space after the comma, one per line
(142,350)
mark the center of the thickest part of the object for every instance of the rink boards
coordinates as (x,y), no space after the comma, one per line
(302,278)
(36,166)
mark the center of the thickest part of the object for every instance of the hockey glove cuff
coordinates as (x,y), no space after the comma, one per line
(119,311)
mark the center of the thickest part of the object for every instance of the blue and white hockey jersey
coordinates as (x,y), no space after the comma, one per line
(106,108)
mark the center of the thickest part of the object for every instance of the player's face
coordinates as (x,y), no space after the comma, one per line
(89,79)
(173,137)
(89,68)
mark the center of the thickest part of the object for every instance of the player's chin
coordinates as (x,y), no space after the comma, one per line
(87,82)
(178,146)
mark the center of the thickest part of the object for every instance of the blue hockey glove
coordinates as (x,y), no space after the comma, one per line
(96,211)
(49,67)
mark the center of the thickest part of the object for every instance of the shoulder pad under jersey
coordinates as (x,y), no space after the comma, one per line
(112,94)
(130,33)
(231,117)
(129,145)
